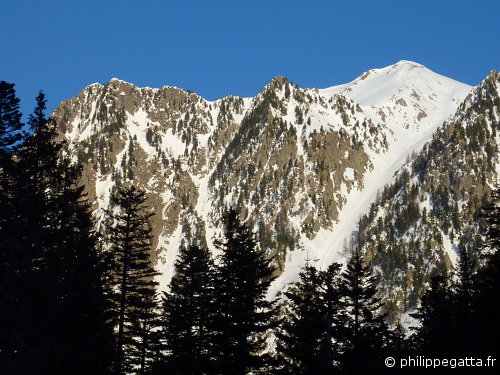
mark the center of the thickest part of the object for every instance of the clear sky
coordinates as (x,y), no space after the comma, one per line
(216,48)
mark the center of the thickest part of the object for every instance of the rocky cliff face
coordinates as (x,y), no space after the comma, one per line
(301,164)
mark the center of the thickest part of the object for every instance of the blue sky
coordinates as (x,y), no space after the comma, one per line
(235,47)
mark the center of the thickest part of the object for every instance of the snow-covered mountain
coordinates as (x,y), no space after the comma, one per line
(430,212)
(303,165)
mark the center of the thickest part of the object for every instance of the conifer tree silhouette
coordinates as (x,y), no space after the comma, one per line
(304,338)
(59,308)
(10,119)
(188,313)
(243,275)
(487,281)
(365,335)
(132,284)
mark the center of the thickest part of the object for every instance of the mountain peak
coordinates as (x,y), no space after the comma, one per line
(279,80)
(409,63)
(400,80)
(119,83)
(276,84)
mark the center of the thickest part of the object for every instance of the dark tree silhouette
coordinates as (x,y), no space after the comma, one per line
(243,314)
(365,335)
(10,125)
(10,118)
(436,318)
(463,336)
(334,314)
(58,310)
(188,313)
(487,282)
(132,282)
(304,338)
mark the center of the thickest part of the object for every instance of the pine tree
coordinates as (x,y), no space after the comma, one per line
(145,325)
(59,308)
(364,337)
(243,276)
(188,313)
(398,343)
(304,337)
(75,272)
(10,125)
(463,336)
(334,313)
(435,316)
(487,281)
(10,118)
(132,284)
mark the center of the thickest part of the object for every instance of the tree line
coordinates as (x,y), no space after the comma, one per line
(69,305)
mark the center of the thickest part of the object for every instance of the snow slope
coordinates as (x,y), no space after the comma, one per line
(412,101)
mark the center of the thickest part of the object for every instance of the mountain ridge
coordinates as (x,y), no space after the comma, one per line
(297,159)
(335,89)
